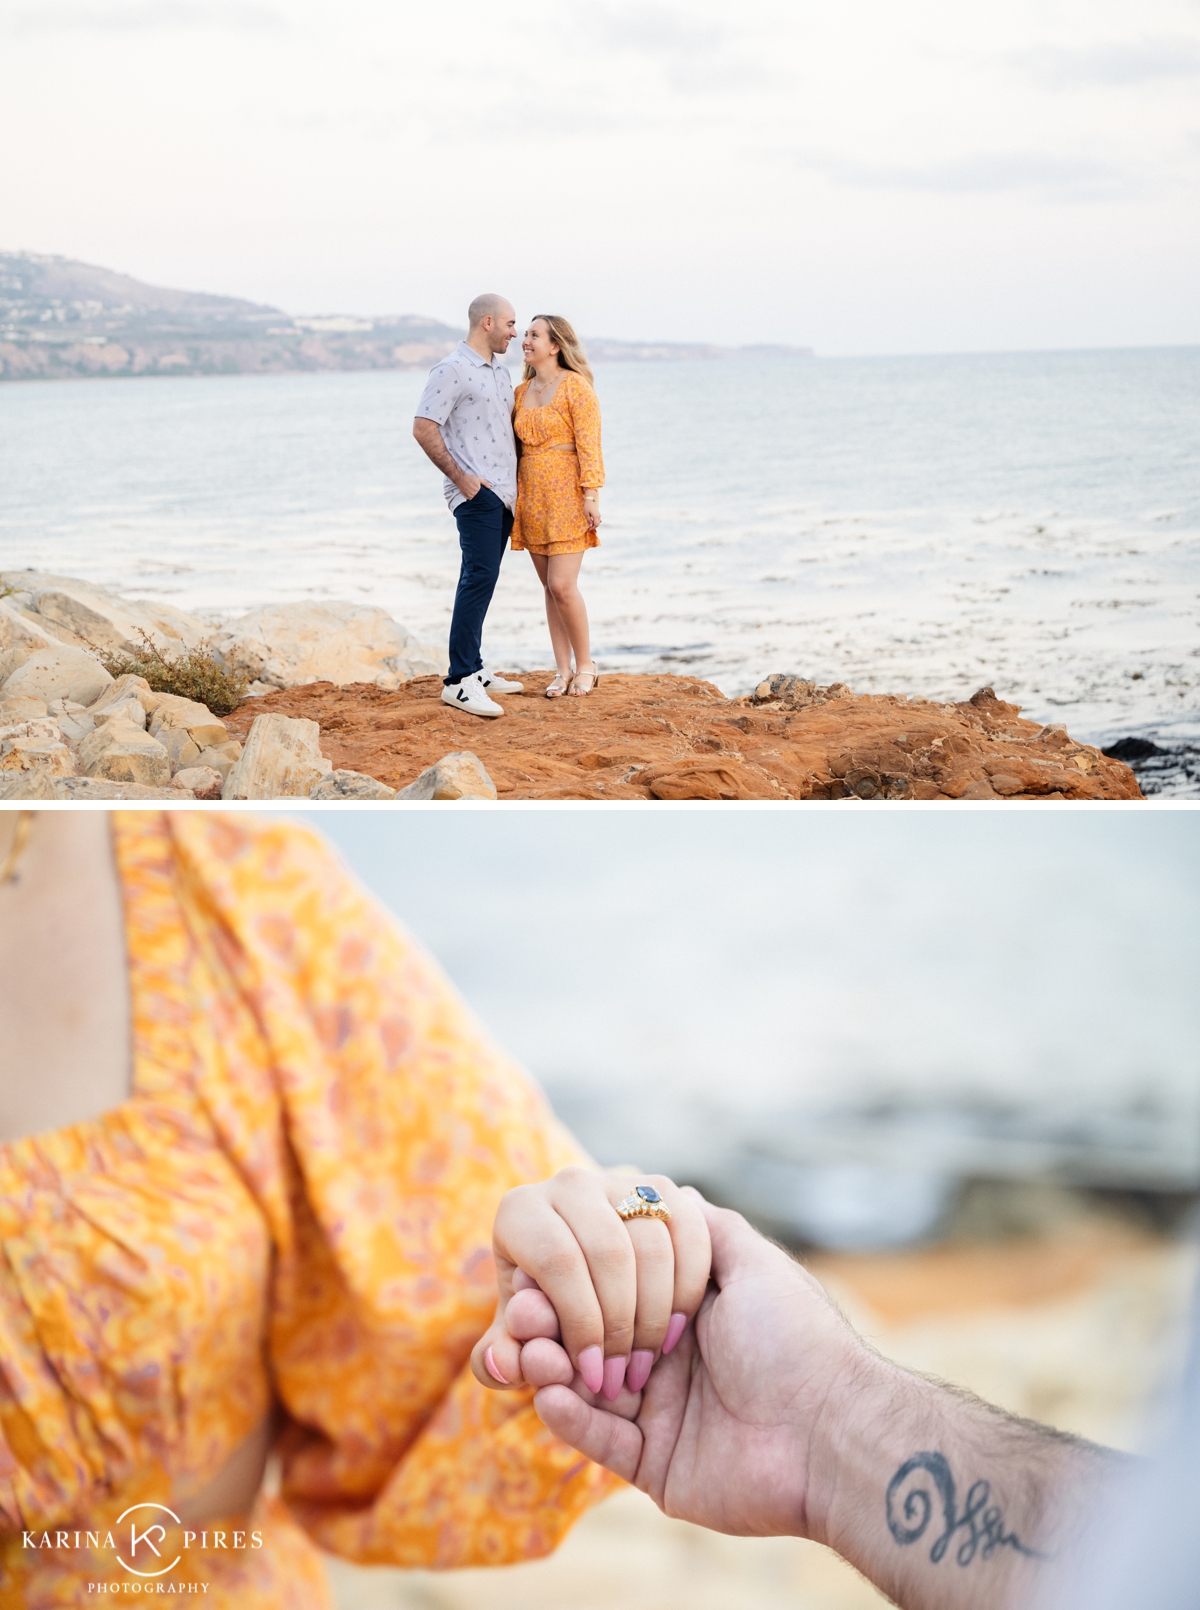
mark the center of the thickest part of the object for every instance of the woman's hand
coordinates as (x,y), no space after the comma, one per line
(591,510)
(615,1293)
(722,1436)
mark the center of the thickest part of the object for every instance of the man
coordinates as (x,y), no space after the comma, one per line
(772,1418)
(464,424)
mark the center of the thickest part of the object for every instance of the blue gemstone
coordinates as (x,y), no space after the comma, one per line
(648,1193)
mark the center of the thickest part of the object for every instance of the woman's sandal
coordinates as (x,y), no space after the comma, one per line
(593,677)
(553,692)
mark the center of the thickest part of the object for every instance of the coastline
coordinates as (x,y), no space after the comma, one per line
(342,698)
(854,538)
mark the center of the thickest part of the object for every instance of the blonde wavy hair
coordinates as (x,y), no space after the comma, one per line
(570,350)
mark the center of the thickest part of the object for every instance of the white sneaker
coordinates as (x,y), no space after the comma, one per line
(498,684)
(469,695)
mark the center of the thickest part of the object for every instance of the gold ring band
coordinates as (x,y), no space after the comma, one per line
(643,1202)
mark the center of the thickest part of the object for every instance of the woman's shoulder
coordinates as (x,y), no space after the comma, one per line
(575,385)
(520,389)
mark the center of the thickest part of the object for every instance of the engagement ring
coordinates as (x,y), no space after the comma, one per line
(643,1202)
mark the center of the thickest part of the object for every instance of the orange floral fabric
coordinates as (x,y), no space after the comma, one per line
(560,455)
(294,1207)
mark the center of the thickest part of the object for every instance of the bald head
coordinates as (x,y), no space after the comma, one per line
(487,306)
(493,325)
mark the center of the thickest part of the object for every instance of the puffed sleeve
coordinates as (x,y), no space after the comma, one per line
(585,421)
(401,1128)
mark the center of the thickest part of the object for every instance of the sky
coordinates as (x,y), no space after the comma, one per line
(658,965)
(869,177)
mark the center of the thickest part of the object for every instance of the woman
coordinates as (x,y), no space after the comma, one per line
(251,1148)
(556,419)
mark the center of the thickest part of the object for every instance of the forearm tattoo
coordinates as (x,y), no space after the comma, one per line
(910,1507)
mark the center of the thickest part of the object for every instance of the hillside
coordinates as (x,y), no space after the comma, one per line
(61,319)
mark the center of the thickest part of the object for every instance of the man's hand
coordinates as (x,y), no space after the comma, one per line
(724,1434)
(773,1417)
(429,436)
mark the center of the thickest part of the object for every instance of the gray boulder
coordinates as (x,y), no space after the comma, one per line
(350,785)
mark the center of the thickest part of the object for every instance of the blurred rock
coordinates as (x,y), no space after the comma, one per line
(120,752)
(130,710)
(75,728)
(82,789)
(180,746)
(20,635)
(61,672)
(21,707)
(35,746)
(282,760)
(26,785)
(87,616)
(289,645)
(222,758)
(202,782)
(169,711)
(457,776)
(124,690)
(350,785)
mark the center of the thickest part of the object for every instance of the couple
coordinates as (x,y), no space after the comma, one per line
(469,422)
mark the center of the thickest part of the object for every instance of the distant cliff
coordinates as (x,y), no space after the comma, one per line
(61,319)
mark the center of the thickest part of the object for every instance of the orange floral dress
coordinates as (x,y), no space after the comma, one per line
(292,1211)
(560,455)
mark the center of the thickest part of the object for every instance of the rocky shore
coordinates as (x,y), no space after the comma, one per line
(676,737)
(344,704)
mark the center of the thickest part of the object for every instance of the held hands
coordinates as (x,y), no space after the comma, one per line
(600,1298)
(732,1429)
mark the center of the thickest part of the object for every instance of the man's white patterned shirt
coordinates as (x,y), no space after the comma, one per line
(471,400)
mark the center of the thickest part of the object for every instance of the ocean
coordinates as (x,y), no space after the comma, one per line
(896,1001)
(918,525)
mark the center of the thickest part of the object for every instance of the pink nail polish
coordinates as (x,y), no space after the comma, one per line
(492,1368)
(614,1376)
(641,1363)
(591,1367)
(674,1331)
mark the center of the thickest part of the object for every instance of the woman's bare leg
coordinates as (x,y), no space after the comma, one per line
(562,586)
(561,637)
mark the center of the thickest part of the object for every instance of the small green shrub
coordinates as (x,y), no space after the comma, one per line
(197,675)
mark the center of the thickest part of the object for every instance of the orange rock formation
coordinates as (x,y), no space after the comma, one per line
(675,737)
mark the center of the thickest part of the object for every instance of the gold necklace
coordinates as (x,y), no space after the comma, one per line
(8,867)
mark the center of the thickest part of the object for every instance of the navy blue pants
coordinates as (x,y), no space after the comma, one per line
(484,525)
